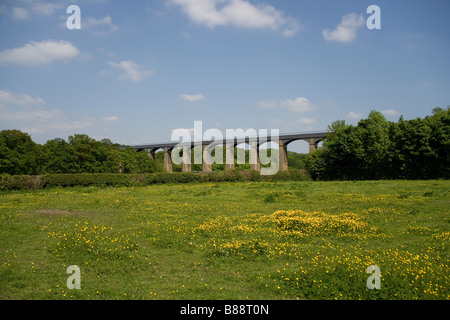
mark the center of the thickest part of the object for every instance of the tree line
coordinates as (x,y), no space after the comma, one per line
(379,149)
(373,149)
(20,155)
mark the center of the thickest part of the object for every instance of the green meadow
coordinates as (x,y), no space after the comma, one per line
(228,240)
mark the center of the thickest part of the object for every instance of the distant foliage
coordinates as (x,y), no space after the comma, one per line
(19,155)
(379,149)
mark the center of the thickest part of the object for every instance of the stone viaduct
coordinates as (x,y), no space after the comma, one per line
(313,138)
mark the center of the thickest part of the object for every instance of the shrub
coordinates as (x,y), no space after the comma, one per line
(89,179)
(19,182)
(255,176)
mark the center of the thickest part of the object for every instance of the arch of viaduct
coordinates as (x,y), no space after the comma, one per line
(313,138)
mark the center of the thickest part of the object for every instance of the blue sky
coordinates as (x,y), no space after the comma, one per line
(136,70)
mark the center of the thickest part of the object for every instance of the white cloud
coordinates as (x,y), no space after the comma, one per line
(31,112)
(101,26)
(37,53)
(185,35)
(32,115)
(354,115)
(305,120)
(105,72)
(239,13)
(275,121)
(390,113)
(291,28)
(110,119)
(293,124)
(192,97)
(346,30)
(268,104)
(426,83)
(299,104)
(8,98)
(45,9)
(133,71)
(57,126)
(32,7)
(19,13)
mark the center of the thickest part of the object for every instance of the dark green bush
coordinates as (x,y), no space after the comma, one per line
(292,175)
(255,175)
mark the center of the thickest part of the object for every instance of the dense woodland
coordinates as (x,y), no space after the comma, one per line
(373,149)
(379,149)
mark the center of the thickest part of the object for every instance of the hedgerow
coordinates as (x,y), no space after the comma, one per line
(31,182)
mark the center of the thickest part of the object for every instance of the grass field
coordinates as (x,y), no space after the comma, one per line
(246,240)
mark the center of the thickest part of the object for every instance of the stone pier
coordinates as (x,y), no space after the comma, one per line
(151,154)
(186,165)
(254,156)
(282,156)
(313,144)
(168,159)
(229,156)
(207,158)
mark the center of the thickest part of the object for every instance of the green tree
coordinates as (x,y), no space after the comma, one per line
(378,149)
(296,160)
(316,165)
(19,154)
(341,155)
(373,136)
(84,153)
(439,141)
(415,148)
(397,166)
(59,157)
(136,162)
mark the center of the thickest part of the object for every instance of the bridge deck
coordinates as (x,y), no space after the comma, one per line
(286,138)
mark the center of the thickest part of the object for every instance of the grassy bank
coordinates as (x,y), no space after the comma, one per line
(228,240)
